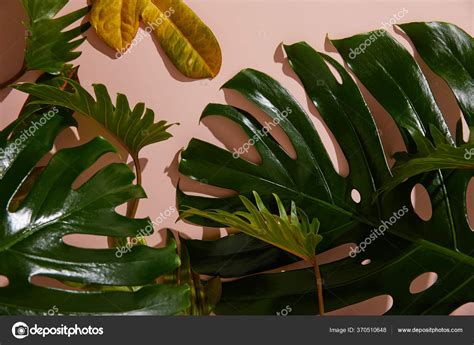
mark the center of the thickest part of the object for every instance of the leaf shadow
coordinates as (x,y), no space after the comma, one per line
(95,41)
(170,67)
(12,41)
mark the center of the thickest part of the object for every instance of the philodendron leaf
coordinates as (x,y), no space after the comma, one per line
(134,129)
(32,232)
(186,40)
(48,45)
(116,21)
(294,233)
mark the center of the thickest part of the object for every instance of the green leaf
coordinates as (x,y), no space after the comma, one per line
(204,294)
(309,180)
(134,128)
(32,230)
(50,43)
(398,84)
(449,52)
(444,156)
(406,94)
(406,248)
(253,256)
(294,234)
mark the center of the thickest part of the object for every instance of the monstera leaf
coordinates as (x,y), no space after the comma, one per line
(384,228)
(33,226)
(451,57)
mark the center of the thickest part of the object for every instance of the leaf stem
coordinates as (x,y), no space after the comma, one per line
(15,77)
(133,205)
(319,286)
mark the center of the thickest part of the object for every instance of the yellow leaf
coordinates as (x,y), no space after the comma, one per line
(188,42)
(117,21)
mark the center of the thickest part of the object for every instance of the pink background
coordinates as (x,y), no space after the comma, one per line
(250,33)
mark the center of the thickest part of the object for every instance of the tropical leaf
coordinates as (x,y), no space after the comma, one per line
(134,129)
(186,40)
(32,230)
(48,45)
(116,21)
(449,52)
(430,158)
(204,295)
(294,234)
(402,246)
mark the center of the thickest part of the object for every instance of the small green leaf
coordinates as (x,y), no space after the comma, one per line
(134,128)
(48,45)
(293,234)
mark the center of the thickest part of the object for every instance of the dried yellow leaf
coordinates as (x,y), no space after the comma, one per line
(186,40)
(116,21)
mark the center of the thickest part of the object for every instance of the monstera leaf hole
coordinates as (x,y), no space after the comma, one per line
(423,282)
(377,305)
(4,281)
(421,202)
(52,283)
(86,241)
(355,196)
(465,309)
(366,262)
(470,203)
(465,130)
